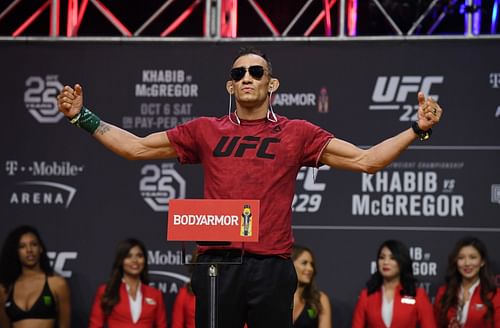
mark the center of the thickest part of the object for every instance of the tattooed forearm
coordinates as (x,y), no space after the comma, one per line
(103,128)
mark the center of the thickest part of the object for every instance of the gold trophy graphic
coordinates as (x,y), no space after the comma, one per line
(246,221)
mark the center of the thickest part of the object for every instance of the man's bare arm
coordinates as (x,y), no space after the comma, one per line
(153,146)
(344,155)
(118,140)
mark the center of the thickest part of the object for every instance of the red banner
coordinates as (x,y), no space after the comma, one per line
(213,220)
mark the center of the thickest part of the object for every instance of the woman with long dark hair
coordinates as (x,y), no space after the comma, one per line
(127,300)
(470,298)
(31,294)
(391,297)
(311,307)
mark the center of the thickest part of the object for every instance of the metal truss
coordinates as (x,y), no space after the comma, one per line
(471,9)
(77,13)
(324,15)
(221,19)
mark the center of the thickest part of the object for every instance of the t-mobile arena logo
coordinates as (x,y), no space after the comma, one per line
(495,80)
(495,84)
(40,98)
(159,184)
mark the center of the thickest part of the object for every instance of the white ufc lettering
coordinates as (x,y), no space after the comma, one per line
(397,88)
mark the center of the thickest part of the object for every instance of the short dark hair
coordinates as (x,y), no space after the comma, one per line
(255,51)
(10,265)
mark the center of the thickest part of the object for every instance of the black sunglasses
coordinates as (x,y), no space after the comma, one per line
(256,71)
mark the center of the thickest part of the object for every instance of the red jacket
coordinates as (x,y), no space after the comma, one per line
(183,313)
(406,314)
(153,314)
(477,309)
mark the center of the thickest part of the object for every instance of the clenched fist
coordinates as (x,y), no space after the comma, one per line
(70,100)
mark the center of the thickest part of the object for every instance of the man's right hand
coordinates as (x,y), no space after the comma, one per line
(70,100)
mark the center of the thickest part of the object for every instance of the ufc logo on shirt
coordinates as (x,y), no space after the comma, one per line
(237,146)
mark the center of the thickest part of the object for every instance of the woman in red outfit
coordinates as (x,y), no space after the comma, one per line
(470,298)
(127,300)
(391,298)
(184,308)
(183,313)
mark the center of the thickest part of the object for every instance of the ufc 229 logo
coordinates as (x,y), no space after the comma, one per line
(309,194)
(237,146)
(393,93)
(40,98)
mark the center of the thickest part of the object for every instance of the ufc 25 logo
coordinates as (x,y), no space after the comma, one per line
(40,98)
(159,184)
(237,146)
(58,261)
(392,93)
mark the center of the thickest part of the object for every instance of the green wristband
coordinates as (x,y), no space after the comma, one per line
(86,120)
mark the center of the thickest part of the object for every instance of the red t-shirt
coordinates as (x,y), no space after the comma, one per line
(255,160)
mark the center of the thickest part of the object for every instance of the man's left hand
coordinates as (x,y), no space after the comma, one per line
(429,112)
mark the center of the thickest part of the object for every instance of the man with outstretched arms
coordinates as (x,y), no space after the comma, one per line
(251,153)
